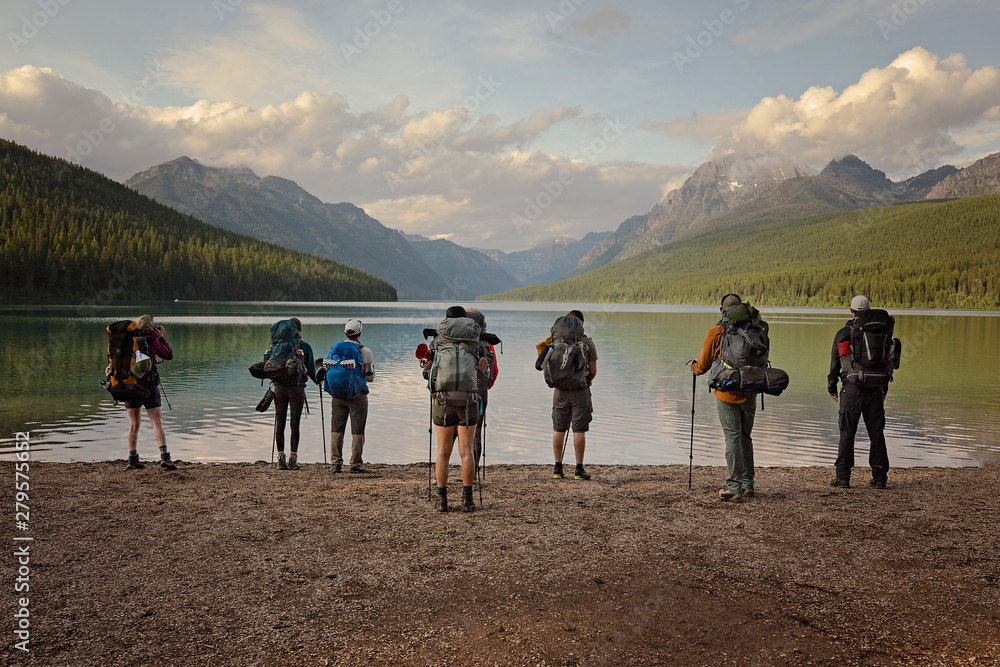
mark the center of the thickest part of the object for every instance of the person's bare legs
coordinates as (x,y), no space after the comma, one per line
(466,436)
(558,441)
(579,444)
(156,419)
(134,420)
(446,440)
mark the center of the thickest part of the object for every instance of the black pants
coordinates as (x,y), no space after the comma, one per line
(283,398)
(857,402)
(477,444)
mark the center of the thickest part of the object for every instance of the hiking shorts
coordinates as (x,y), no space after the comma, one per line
(151,401)
(572,406)
(455,415)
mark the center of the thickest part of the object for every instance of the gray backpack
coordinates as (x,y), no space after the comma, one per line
(454,373)
(565,365)
(744,348)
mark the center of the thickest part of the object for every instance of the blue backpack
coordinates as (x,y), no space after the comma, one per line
(342,382)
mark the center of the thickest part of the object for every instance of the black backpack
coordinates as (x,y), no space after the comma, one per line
(130,376)
(565,365)
(743,366)
(873,353)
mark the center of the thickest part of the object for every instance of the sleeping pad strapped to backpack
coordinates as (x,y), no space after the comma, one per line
(345,380)
(454,374)
(565,365)
(870,355)
(744,367)
(129,363)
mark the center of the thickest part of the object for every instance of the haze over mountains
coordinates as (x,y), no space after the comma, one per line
(720,194)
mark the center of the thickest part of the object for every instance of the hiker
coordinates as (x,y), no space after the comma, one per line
(158,347)
(290,392)
(486,383)
(863,394)
(349,395)
(568,357)
(736,414)
(453,370)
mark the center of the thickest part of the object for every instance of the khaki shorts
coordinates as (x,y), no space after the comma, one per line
(455,415)
(572,406)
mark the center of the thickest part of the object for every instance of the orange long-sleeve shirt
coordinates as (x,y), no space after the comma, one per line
(711,350)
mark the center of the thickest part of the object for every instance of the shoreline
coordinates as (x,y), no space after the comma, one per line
(238,563)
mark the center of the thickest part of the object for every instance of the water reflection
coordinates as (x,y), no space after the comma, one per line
(940,411)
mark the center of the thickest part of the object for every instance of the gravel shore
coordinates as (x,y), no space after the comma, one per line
(241,564)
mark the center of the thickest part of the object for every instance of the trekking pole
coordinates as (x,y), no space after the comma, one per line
(565,440)
(430,438)
(484,449)
(305,398)
(694,388)
(164,392)
(322,423)
(274,434)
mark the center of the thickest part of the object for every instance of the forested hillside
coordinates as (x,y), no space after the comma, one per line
(67,233)
(933,254)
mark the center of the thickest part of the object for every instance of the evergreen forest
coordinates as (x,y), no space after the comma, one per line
(69,234)
(936,254)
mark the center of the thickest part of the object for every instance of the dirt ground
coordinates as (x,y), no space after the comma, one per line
(241,564)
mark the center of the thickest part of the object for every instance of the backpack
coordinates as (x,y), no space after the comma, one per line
(342,382)
(565,365)
(743,365)
(453,377)
(872,353)
(284,365)
(129,363)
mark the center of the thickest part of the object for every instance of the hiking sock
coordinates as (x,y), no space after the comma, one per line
(443,490)
(557,471)
(466,490)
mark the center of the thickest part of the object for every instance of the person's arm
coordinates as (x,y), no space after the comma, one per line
(709,351)
(159,346)
(593,369)
(834,375)
(369,360)
(310,361)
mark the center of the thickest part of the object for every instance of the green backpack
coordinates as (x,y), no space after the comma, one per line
(454,374)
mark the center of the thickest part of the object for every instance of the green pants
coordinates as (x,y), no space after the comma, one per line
(737,423)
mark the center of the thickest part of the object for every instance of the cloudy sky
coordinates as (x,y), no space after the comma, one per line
(500,124)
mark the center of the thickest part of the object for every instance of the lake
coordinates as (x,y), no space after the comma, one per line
(942,409)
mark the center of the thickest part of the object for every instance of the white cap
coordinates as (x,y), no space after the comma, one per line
(353,327)
(860,302)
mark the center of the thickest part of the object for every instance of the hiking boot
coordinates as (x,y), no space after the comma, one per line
(441,502)
(748,493)
(725,495)
(166,463)
(134,463)
(293,462)
(557,471)
(282,464)
(581,474)
(876,483)
(338,467)
(468,505)
(840,483)
(359,468)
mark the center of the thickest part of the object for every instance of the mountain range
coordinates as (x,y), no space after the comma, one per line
(277,210)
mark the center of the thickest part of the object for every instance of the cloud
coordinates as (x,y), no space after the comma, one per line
(606,21)
(437,172)
(894,117)
(274,53)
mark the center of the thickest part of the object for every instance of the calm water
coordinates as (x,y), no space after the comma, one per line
(942,408)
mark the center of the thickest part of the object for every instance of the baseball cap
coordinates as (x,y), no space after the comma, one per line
(860,302)
(731,300)
(353,327)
